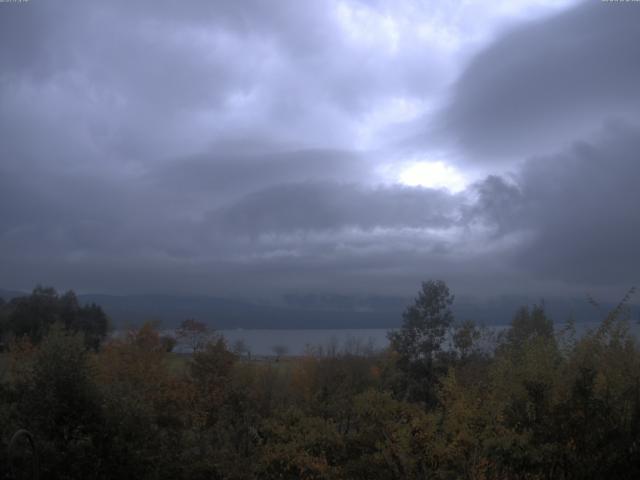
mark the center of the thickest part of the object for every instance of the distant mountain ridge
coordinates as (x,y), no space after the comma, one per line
(315,311)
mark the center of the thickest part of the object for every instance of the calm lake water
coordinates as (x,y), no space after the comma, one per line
(297,342)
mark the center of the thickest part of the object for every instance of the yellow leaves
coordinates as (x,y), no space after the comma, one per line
(21,356)
(133,373)
(397,436)
(467,419)
(518,414)
(301,446)
(612,354)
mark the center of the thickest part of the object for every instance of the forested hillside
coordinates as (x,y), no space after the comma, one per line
(445,400)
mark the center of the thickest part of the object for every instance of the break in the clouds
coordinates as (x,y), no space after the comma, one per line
(226,147)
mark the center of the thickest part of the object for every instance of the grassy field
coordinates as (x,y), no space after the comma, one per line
(177,363)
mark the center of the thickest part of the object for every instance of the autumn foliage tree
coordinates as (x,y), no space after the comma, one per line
(541,402)
(193,334)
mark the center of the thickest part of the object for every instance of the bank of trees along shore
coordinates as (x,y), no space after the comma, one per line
(436,404)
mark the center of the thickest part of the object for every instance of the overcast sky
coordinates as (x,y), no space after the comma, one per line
(265,147)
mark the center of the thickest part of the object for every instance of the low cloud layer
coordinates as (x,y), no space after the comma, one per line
(245,149)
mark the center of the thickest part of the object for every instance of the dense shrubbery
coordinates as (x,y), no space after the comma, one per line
(436,404)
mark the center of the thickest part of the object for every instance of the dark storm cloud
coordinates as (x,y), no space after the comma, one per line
(58,215)
(330,206)
(547,83)
(236,169)
(499,205)
(207,147)
(576,210)
(585,205)
(83,229)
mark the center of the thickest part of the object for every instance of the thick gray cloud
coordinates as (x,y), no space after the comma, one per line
(234,170)
(576,210)
(583,204)
(199,147)
(547,83)
(332,206)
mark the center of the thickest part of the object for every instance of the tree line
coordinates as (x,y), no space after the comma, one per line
(445,400)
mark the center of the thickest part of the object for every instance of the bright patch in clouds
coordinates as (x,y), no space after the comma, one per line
(433,175)
(367,27)
(387,113)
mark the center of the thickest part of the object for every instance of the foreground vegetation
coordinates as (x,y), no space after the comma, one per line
(441,402)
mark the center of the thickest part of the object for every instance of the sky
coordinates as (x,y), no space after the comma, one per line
(256,148)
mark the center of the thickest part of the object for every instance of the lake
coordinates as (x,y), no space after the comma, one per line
(297,341)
